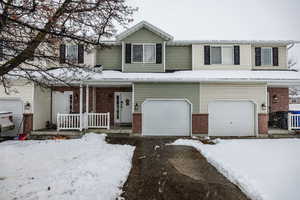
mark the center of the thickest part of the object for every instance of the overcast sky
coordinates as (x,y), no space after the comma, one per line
(224,19)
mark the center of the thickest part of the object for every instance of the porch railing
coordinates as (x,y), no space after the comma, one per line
(68,122)
(98,120)
(85,121)
(293,121)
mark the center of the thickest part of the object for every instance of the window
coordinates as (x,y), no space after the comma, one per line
(266,56)
(143,53)
(221,55)
(72,52)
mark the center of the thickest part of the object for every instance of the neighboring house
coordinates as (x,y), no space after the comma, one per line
(162,86)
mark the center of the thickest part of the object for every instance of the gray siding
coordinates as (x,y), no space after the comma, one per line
(143,36)
(110,57)
(189,91)
(179,58)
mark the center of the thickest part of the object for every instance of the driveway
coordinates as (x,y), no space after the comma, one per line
(170,172)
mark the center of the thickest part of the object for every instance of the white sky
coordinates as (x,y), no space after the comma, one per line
(224,19)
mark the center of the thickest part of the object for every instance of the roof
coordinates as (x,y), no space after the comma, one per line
(212,76)
(147,25)
(257,42)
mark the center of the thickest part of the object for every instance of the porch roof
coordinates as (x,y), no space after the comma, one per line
(288,77)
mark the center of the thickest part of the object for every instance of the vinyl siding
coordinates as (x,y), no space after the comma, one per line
(144,91)
(110,57)
(41,107)
(179,58)
(282,58)
(143,36)
(23,91)
(254,92)
(198,59)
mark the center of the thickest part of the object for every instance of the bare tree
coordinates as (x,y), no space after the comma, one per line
(35,28)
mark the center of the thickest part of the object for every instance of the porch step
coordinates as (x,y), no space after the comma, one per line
(123,130)
(56,133)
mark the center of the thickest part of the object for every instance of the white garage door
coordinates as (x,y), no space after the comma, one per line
(166,118)
(231,118)
(16,107)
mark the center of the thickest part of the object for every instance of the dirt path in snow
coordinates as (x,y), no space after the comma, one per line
(165,172)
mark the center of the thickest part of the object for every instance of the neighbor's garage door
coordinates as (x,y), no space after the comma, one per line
(231,118)
(16,107)
(166,118)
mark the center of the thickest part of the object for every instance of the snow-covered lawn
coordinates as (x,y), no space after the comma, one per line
(81,169)
(267,169)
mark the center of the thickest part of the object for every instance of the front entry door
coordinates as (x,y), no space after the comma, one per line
(123,107)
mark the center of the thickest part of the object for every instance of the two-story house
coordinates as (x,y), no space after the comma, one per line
(162,86)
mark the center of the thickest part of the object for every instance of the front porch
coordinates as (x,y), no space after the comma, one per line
(92,107)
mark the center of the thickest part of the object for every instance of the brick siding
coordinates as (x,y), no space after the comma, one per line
(282,104)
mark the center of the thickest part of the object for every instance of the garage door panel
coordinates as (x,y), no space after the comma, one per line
(231,118)
(166,117)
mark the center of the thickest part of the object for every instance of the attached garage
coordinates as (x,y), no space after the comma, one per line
(166,117)
(16,107)
(232,118)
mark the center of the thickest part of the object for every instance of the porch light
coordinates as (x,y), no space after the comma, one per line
(263,106)
(136,106)
(27,106)
(275,99)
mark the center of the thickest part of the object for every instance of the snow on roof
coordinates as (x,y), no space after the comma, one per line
(147,25)
(294,107)
(274,42)
(189,76)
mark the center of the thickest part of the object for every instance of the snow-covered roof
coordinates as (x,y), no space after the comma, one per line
(294,107)
(270,77)
(257,42)
(147,25)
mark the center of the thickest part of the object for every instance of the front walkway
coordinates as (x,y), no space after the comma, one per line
(173,172)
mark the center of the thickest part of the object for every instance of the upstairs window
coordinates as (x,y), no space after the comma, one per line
(266,56)
(221,55)
(143,53)
(72,52)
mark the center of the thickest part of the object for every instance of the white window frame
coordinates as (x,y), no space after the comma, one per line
(143,61)
(261,57)
(222,63)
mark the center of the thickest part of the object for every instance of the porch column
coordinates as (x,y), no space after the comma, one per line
(80,107)
(94,99)
(87,99)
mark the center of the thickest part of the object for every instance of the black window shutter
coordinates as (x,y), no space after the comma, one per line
(158,53)
(1,50)
(128,53)
(206,55)
(236,52)
(275,56)
(257,56)
(80,53)
(62,53)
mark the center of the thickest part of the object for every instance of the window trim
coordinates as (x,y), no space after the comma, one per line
(222,63)
(261,56)
(143,61)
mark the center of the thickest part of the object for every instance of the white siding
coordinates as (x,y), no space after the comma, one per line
(211,92)
(42,105)
(22,90)
(198,59)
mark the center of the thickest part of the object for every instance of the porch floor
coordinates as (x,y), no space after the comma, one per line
(278,131)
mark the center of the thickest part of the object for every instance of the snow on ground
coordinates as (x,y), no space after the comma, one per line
(267,169)
(86,168)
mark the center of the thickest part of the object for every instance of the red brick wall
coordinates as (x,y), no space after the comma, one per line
(105,100)
(263,123)
(282,104)
(200,123)
(137,123)
(28,122)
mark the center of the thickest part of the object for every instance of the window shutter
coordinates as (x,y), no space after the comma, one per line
(257,56)
(80,53)
(62,53)
(1,50)
(128,53)
(158,53)
(275,56)
(206,55)
(236,52)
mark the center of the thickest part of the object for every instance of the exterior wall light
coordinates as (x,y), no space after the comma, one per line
(136,107)
(263,106)
(27,106)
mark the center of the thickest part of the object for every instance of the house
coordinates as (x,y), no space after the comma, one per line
(162,86)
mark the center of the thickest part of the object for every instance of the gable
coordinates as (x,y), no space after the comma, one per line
(143,35)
